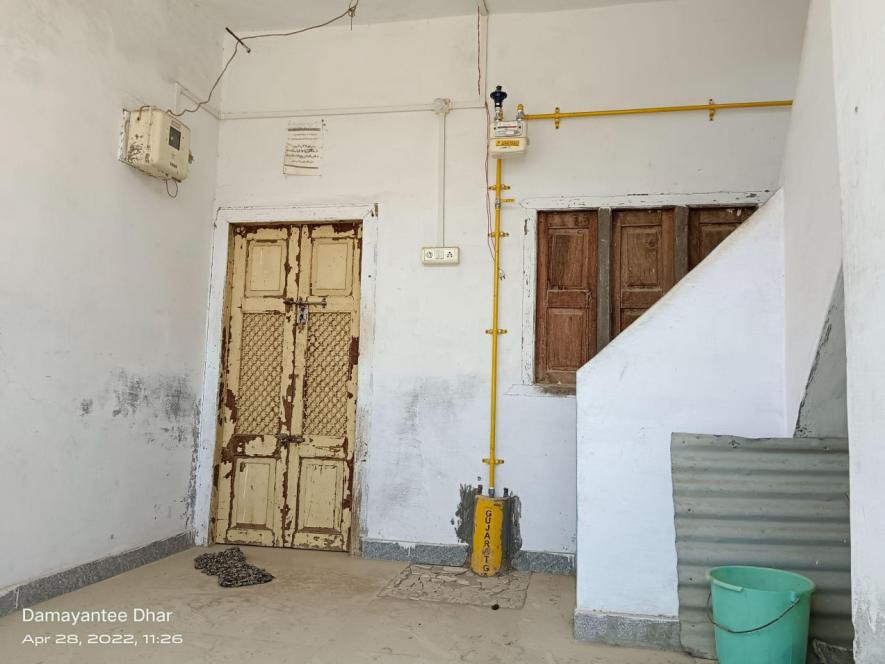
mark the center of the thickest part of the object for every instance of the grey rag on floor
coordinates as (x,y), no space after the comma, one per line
(231,568)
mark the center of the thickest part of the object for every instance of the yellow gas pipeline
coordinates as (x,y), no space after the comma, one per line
(495,331)
(491,513)
(711,107)
(487,555)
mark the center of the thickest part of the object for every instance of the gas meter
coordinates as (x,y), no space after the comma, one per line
(506,137)
(157,143)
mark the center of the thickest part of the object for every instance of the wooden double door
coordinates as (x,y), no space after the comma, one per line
(600,270)
(287,416)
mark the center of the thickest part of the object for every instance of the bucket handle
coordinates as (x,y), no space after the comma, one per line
(755,629)
(727,586)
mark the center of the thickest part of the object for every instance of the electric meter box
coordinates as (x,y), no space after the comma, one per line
(156,142)
(507,138)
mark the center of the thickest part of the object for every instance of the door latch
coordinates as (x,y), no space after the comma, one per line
(302,304)
(288,439)
(317,302)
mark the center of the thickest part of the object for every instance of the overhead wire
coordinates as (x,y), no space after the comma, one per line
(212,89)
(487,189)
(350,11)
(487,123)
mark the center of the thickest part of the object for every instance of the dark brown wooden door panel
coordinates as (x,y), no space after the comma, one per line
(643,250)
(566,313)
(630,315)
(707,227)
(568,252)
(568,337)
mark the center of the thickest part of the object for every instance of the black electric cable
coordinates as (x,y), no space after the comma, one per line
(168,191)
(350,11)
(212,89)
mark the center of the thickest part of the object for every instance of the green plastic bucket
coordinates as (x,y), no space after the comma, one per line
(760,615)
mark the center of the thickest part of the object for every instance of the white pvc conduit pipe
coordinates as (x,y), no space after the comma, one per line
(441,107)
(182,91)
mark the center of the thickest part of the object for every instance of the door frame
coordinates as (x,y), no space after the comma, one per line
(531,208)
(202,478)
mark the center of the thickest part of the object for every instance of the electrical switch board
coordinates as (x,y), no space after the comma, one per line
(440,255)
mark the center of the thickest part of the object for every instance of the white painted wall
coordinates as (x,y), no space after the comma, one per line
(428,429)
(859,63)
(102,282)
(708,357)
(813,219)
(650,54)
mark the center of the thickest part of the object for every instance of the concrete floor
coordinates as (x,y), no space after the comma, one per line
(322,608)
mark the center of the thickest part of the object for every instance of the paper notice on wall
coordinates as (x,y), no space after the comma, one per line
(304,147)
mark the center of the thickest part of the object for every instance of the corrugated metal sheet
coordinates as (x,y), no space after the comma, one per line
(770,502)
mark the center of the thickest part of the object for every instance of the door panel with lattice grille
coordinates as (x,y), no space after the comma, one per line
(326,358)
(257,384)
(287,420)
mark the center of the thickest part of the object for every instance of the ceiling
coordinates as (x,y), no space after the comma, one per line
(275,14)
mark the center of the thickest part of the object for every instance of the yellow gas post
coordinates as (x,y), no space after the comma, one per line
(487,557)
(487,552)
(491,514)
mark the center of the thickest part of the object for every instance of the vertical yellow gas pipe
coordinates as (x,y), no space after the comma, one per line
(487,551)
(495,331)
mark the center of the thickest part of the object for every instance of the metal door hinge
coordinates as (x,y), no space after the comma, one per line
(288,439)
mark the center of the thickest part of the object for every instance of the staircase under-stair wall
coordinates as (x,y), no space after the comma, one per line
(708,357)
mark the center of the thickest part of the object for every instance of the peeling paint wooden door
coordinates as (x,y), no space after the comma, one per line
(287,423)
(327,343)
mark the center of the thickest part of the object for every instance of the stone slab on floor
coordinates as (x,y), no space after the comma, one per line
(458,585)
